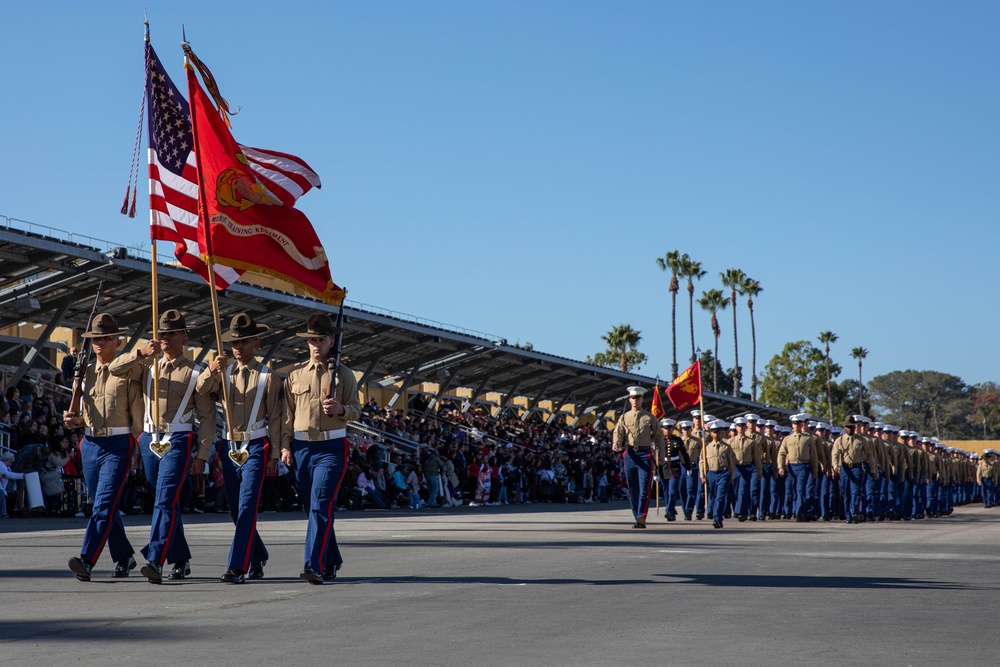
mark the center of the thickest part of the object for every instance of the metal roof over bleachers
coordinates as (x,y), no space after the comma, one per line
(51,277)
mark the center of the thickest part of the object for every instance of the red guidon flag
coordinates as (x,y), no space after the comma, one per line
(685,391)
(657,408)
(242,223)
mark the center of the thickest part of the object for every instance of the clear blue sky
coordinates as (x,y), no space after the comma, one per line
(516,167)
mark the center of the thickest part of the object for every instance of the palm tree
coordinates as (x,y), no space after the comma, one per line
(672,262)
(733,279)
(713,301)
(860,353)
(826,338)
(752,288)
(691,270)
(622,340)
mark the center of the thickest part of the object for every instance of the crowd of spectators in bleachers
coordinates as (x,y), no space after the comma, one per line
(456,455)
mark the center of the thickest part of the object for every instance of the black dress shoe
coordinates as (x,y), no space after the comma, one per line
(330,573)
(700,516)
(753,517)
(671,517)
(123,567)
(311,575)
(80,567)
(256,570)
(716,524)
(687,516)
(741,519)
(153,572)
(181,570)
(232,576)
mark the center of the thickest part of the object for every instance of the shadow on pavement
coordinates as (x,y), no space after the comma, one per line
(795,581)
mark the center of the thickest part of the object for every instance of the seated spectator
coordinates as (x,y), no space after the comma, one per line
(7,478)
(413,487)
(365,489)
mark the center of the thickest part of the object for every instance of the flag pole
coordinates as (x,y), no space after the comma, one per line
(701,406)
(209,255)
(156,336)
(153,278)
(210,263)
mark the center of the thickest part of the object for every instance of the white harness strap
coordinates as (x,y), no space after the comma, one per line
(252,424)
(183,415)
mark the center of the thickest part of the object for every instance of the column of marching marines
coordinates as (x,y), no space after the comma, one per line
(758,470)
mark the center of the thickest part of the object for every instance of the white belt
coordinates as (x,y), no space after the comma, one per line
(246,436)
(321,435)
(106,431)
(172,428)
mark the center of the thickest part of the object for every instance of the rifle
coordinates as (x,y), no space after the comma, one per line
(338,343)
(82,361)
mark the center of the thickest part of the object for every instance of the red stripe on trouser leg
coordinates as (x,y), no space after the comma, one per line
(649,484)
(112,511)
(333,503)
(176,504)
(253,526)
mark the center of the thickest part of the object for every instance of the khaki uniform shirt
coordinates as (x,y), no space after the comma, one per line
(933,465)
(849,450)
(306,387)
(876,453)
(693,445)
(898,457)
(243,394)
(799,448)
(174,377)
(638,429)
(110,401)
(913,462)
(746,450)
(769,450)
(984,471)
(717,457)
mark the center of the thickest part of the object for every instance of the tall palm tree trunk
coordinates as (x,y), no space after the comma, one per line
(694,357)
(736,352)
(715,367)
(753,367)
(861,391)
(673,328)
(829,388)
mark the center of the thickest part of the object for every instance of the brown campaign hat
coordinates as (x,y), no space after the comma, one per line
(104,324)
(242,327)
(319,326)
(172,320)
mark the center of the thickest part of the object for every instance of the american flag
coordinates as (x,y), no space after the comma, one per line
(173,173)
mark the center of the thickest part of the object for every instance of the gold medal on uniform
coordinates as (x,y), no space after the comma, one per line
(238,455)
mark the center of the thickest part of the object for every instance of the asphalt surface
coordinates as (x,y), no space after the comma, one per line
(534,585)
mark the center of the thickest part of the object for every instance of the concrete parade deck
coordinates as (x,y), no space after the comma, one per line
(534,585)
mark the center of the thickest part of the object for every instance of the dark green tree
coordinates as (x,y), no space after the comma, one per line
(926,401)
(796,377)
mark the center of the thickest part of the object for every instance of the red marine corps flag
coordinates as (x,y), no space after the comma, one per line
(244,224)
(685,391)
(657,409)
